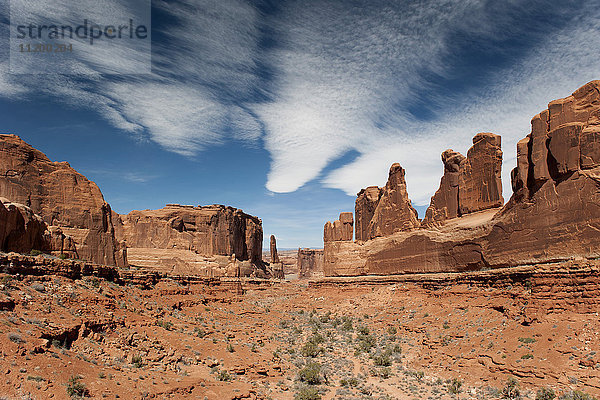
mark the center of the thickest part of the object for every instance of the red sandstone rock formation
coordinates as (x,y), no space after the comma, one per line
(274,256)
(61,196)
(276,265)
(20,229)
(342,229)
(310,263)
(394,211)
(554,212)
(185,238)
(469,184)
(480,182)
(364,209)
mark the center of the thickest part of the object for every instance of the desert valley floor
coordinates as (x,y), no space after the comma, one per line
(348,338)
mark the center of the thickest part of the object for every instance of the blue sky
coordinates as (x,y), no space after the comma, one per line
(287,108)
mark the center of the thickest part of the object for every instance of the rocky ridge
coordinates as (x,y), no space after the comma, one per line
(553,214)
(67,201)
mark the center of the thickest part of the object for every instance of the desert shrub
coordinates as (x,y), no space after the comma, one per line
(230,348)
(576,395)
(511,389)
(308,393)
(311,373)
(545,394)
(76,388)
(311,349)
(137,361)
(35,378)
(384,373)
(527,356)
(350,382)
(200,332)
(347,324)
(392,330)
(165,324)
(455,386)
(63,256)
(15,338)
(364,341)
(223,376)
(317,338)
(382,360)
(35,252)
(419,375)
(526,340)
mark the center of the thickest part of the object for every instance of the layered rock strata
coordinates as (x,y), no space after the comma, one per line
(553,214)
(310,263)
(469,184)
(20,229)
(208,240)
(339,230)
(62,197)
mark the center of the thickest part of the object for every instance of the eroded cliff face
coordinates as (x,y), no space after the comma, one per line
(469,184)
(394,211)
(193,239)
(553,214)
(64,199)
(364,209)
(340,229)
(310,263)
(20,229)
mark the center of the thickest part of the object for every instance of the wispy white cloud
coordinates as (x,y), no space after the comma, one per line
(342,69)
(558,65)
(343,75)
(203,69)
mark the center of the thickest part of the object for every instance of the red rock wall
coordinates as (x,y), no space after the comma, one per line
(61,196)
(207,230)
(20,229)
(310,263)
(364,209)
(394,212)
(553,214)
(341,229)
(469,184)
